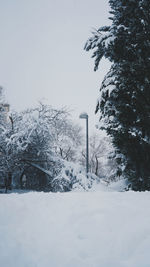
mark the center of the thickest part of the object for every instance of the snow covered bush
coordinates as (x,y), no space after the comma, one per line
(73,177)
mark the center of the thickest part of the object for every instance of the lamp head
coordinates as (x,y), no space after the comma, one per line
(83,115)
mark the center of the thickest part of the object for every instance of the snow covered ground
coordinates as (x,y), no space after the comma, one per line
(76,229)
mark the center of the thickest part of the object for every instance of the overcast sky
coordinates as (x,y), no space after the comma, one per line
(42,56)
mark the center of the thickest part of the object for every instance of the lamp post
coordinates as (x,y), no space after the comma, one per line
(85,116)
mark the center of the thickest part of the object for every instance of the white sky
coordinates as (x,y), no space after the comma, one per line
(42,56)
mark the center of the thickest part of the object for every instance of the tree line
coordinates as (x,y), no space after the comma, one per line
(35,145)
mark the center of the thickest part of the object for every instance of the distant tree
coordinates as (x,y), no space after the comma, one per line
(100,151)
(68,139)
(124,101)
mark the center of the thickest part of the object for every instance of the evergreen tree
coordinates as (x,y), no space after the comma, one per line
(124,101)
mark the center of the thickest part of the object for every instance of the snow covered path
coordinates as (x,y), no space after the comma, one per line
(94,229)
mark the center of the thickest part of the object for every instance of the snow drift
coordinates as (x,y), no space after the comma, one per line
(75,229)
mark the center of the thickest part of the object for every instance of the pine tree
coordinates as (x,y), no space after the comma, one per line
(124,101)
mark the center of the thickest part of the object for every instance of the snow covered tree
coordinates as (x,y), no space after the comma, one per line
(124,101)
(33,144)
(26,141)
(33,137)
(68,138)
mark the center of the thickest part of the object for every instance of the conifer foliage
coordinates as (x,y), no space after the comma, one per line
(124,101)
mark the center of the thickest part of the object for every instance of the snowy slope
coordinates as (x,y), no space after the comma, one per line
(77,229)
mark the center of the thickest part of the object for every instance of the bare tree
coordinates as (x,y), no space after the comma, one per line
(100,148)
(68,139)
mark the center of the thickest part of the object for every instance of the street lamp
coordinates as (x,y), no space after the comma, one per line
(85,116)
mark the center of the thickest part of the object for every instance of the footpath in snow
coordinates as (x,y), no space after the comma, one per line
(76,229)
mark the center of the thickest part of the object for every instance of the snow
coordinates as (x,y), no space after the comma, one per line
(41,168)
(119,185)
(109,39)
(76,229)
